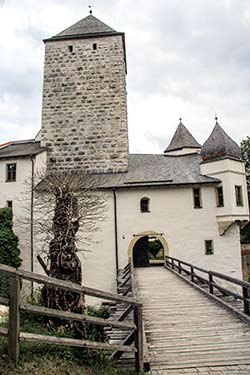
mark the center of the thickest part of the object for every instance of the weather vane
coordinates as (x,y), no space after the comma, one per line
(90,9)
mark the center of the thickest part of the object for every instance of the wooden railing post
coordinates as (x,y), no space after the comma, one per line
(192,273)
(179,266)
(14,319)
(172,261)
(245,300)
(138,338)
(211,287)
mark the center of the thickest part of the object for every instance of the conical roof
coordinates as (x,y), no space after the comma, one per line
(87,26)
(182,139)
(219,145)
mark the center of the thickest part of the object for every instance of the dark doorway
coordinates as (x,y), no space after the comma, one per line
(141,253)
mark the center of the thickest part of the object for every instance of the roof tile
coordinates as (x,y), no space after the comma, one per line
(182,139)
(219,145)
(88,25)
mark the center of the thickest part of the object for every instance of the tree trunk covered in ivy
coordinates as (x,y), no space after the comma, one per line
(66,204)
(63,259)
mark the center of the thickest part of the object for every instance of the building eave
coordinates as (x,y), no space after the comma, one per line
(158,185)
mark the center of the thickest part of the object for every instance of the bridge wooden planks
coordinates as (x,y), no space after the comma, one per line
(186,331)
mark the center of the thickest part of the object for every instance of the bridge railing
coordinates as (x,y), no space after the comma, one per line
(16,307)
(208,278)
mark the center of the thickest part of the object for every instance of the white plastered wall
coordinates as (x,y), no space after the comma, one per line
(171,214)
(98,259)
(184,228)
(231,173)
(19,192)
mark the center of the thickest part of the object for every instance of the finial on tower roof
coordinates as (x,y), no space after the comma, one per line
(180,119)
(216,117)
(90,9)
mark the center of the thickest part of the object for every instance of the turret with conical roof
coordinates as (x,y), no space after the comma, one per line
(221,158)
(182,142)
(84,117)
(219,145)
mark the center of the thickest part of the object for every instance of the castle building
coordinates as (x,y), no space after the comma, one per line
(188,202)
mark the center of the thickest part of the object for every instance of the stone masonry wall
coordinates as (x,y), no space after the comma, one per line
(84,116)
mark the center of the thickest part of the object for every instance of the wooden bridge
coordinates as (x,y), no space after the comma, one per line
(193,324)
(188,333)
(190,322)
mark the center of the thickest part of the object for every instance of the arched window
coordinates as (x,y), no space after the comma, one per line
(144,204)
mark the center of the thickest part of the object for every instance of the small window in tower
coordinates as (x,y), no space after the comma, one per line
(197,198)
(70,48)
(144,204)
(219,197)
(94,46)
(11,172)
(209,247)
(238,196)
(9,204)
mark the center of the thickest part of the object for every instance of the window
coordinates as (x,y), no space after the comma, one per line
(197,198)
(144,203)
(238,196)
(9,204)
(11,172)
(70,48)
(94,46)
(219,196)
(209,247)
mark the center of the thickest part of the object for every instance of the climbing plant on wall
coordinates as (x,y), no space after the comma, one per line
(9,251)
(245,151)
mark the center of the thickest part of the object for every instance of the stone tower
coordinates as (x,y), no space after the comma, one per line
(84,115)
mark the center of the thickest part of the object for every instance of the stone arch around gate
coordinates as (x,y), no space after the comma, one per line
(158,236)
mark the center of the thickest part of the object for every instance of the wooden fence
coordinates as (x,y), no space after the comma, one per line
(16,307)
(209,278)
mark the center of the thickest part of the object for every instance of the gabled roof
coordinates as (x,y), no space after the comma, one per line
(219,146)
(20,149)
(89,25)
(182,139)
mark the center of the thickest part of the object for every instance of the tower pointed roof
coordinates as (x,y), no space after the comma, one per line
(219,146)
(88,26)
(182,138)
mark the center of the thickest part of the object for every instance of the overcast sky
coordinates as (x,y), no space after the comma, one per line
(185,57)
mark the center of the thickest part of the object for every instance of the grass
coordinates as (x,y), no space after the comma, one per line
(45,359)
(42,359)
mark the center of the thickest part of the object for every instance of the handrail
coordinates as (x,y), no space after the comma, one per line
(15,336)
(178,264)
(66,285)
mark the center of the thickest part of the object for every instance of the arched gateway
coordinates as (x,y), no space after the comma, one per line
(147,248)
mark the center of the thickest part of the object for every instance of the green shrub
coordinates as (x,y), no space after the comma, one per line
(9,251)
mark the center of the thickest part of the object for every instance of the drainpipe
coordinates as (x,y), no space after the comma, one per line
(116,236)
(32,221)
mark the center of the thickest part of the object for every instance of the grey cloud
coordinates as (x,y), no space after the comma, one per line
(190,52)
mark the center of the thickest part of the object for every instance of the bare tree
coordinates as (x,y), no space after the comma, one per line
(68,208)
